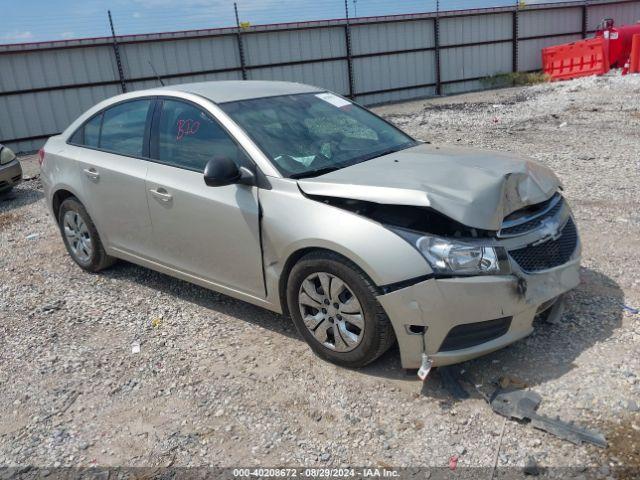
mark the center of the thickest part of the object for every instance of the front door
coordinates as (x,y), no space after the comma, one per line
(210,232)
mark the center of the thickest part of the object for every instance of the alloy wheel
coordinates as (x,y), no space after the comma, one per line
(78,236)
(331,312)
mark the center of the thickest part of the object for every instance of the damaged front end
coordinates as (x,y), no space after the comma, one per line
(408,217)
(485,286)
(450,247)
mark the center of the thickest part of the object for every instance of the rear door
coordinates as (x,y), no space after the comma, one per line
(113,170)
(210,232)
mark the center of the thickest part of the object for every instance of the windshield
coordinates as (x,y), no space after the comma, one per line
(311,134)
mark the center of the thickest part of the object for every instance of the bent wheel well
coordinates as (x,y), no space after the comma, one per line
(59,197)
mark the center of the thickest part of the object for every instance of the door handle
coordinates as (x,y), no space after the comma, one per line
(92,173)
(161,194)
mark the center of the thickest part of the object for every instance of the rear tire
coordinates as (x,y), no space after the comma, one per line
(81,237)
(346,326)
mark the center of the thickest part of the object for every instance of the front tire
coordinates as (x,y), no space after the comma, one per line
(333,305)
(81,237)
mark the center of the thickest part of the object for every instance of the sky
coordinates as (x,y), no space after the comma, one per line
(42,20)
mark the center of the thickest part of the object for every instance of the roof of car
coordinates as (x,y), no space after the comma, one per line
(234,90)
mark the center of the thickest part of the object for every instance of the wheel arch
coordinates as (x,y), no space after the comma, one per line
(62,193)
(296,256)
(58,197)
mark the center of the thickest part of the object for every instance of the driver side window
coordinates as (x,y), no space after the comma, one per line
(188,138)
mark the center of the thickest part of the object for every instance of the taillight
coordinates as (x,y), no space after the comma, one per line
(41,156)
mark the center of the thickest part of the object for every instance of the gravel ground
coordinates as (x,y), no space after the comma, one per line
(219,382)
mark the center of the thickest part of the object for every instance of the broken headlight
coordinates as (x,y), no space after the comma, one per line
(452,257)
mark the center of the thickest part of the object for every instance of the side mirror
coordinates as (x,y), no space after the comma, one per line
(6,155)
(220,172)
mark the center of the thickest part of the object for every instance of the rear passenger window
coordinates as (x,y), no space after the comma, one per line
(123,128)
(92,131)
(189,138)
(77,138)
(89,134)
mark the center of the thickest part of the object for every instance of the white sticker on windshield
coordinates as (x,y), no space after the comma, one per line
(334,100)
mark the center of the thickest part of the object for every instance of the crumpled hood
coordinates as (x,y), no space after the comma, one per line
(477,188)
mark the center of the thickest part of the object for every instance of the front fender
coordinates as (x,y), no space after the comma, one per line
(292,222)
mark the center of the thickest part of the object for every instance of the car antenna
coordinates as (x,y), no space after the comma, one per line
(156,73)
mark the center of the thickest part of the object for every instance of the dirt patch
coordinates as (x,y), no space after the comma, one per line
(624,446)
(8,218)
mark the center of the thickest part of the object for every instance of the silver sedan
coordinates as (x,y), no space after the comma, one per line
(10,170)
(303,202)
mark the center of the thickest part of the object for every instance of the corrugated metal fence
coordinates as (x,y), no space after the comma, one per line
(44,86)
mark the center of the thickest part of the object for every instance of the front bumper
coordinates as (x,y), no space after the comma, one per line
(441,304)
(10,175)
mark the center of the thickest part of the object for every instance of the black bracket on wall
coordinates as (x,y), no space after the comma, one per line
(514,36)
(243,65)
(436,44)
(116,52)
(347,36)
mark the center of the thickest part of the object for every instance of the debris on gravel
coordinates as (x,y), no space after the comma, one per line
(131,367)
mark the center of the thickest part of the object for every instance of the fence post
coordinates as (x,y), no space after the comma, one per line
(585,19)
(347,36)
(514,39)
(436,45)
(116,52)
(243,65)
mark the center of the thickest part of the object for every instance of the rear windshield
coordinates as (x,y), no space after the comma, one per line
(311,134)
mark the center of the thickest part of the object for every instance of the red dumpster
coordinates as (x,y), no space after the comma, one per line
(577,59)
(618,40)
(634,58)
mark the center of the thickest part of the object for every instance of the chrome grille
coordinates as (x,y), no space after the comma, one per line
(549,254)
(517,226)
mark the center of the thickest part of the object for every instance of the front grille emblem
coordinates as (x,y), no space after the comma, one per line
(550,229)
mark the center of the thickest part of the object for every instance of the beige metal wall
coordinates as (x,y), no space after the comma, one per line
(44,86)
